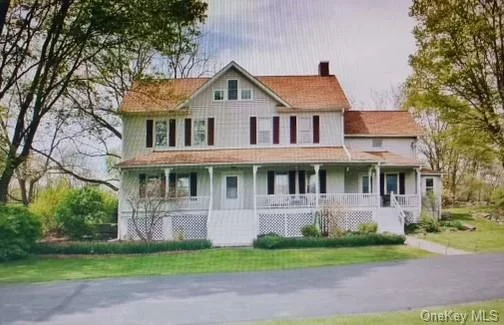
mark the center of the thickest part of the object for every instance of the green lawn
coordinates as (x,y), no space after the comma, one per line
(488,237)
(41,269)
(409,317)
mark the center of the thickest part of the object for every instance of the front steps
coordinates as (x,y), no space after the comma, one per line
(232,227)
(388,221)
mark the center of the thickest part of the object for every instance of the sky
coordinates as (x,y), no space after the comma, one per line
(367,42)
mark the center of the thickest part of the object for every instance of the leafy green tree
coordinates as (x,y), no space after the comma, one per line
(46,49)
(459,64)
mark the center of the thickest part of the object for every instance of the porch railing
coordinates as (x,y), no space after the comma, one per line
(310,200)
(189,203)
(286,201)
(350,199)
(408,200)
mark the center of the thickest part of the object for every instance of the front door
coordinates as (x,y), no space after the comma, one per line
(232,191)
(391,183)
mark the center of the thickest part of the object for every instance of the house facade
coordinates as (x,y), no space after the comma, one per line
(236,156)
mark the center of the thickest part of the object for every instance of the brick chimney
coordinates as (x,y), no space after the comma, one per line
(323,68)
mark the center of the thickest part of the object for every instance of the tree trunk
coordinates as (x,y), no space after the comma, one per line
(4,7)
(5,179)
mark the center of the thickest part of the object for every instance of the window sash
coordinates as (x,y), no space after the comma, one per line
(281,183)
(161,128)
(232,89)
(304,129)
(219,95)
(182,185)
(429,187)
(377,143)
(200,132)
(246,94)
(265,130)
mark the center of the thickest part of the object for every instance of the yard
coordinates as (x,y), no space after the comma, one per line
(408,317)
(488,236)
(42,269)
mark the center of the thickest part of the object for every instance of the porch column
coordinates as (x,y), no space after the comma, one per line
(254,195)
(377,182)
(419,191)
(167,182)
(317,185)
(370,174)
(210,199)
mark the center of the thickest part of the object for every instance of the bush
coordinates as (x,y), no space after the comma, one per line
(368,228)
(46,203)
(498,197)
(428,223)
(352,240)
(96,247)
(80,212)
(310,231)
(453,224)
(19,229)
(110,204)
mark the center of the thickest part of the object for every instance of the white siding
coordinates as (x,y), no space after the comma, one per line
(232,121)
(402,146)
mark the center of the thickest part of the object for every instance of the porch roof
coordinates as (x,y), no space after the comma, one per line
(239,157)
(385,158)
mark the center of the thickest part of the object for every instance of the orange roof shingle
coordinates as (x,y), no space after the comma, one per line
(384,123)
(238,156)
(384,157)
(301,92)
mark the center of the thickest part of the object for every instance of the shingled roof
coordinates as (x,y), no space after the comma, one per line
(307,92)
(380,123)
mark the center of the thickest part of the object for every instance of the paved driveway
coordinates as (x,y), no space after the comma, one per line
(218,299)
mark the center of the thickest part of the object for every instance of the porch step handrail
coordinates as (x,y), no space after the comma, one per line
(397,206)
(408,200)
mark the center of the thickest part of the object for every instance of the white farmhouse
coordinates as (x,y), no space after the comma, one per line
(248,155)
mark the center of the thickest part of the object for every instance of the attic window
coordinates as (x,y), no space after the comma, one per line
(246,94)
(377,143)
(232,89)
(218,95)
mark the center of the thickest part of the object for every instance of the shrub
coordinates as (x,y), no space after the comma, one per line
(96,247)
(19,229)
(80,211)
(310,231)
(46,203)
(453,224)
(498,197)
(110,204)
(428,223)
(270,234)
(368,228)
(351,240)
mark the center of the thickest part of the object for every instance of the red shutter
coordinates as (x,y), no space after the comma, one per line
(293,129)
(253,130)
(171,133)
(211,127)
(187,131)
(276,129)
(316,129)
(149,126)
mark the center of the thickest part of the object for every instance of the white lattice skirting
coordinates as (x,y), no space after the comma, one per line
(171,227)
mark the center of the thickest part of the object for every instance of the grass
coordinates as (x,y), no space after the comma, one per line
(488,236)
(408,317)
(42,269)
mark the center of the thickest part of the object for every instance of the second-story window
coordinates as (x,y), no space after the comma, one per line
(265,130)
(232,89)
(161,133)
(218,95)
(377,143)
(305,130)
(200,132)
(246,94)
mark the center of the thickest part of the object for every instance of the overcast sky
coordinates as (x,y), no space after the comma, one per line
(366,41)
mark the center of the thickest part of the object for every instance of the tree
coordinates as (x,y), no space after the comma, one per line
(459,64)
(46,46)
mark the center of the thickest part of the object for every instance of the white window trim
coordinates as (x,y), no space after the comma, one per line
(361,176)
(385,187)
(427,187)
(258,130)
(298,129)
(247,99)
(156,146)
(193,131)
(219,100)
(275,182)
(237,89)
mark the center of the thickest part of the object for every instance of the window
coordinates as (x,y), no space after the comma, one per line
(377,143)
(231,187)
(153,186)
(429,185)
(246,94)
(232,89)
(182,185)
(312,183)
(199,132)
(265,126)
(218,95)
(305,130)
(391,183)
(161,133)
(365,184)
(282,183)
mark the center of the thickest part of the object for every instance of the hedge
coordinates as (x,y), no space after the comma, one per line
(97,247)
(19,229)
(352,240)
